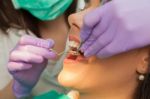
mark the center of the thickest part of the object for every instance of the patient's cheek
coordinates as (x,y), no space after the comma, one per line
(73,74)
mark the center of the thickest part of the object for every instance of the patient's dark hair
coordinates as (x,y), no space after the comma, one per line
(143,90)
(21,19)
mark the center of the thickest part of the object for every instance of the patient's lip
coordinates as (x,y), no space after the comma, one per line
(72,56)
(66,60)
(74,59)
(81,58)
(74,38)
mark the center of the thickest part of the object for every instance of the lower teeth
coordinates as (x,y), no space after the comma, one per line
(74,53)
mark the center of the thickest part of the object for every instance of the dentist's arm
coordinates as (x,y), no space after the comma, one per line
(27,61)
(116,27)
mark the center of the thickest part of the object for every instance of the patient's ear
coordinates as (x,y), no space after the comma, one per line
(144,59)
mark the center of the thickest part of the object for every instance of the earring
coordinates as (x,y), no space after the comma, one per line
(141,77)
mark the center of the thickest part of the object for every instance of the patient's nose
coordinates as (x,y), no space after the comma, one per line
(76,20)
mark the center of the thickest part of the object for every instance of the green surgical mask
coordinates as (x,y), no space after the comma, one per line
(43,9)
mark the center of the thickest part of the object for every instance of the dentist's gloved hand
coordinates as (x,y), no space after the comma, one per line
(116,27)
(27,61)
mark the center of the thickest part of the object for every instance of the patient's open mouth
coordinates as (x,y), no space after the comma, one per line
(73,52)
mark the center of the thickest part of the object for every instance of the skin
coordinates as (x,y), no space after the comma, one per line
(96,77)
(111,78)
(7,93)
(48,30)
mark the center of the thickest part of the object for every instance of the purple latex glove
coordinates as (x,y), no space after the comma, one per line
(116,27)
(27,61)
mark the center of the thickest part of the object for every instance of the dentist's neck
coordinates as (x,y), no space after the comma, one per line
(57,30)
(56,24)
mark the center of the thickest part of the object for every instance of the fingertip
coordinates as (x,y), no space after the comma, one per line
(53,55)
(50,43)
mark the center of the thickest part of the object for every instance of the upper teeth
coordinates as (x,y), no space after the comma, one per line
(73,44)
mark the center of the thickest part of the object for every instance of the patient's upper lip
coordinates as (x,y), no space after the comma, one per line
(74,38)
(74,59)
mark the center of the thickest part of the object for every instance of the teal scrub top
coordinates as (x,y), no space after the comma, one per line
(52,95)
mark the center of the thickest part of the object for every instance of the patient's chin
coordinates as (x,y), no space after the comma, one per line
(65,79)
(71,79)
(73,74)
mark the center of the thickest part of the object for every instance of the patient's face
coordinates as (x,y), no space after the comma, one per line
(91,73)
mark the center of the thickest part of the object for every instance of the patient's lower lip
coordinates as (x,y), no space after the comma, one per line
(81,58)
(78,60)
(69,61)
